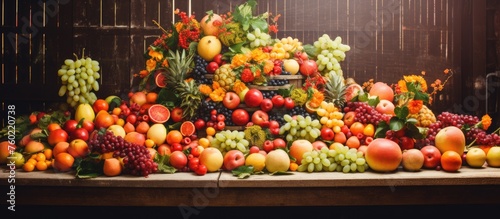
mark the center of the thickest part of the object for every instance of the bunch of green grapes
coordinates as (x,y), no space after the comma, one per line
(340,159)
(330,53)
(79,78)
(258,38)
(227,140)
(300,127)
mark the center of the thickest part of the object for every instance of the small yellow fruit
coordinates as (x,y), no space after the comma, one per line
(257,160)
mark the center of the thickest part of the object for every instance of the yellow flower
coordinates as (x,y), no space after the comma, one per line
(150,64)
(178,26)
(402,86)
(268,66)
(486,122)
(414,106)
(417,79)
(218,94)
(239,86)
(258,55)
(205,89)
(317,98)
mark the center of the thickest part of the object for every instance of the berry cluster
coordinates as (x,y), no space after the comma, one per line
(365,113)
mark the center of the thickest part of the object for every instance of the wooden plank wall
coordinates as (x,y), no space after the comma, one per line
(389,39)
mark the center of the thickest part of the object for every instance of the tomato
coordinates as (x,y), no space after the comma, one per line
(70,125)
(88,125)
(99,105)
(194,163)
(80,133)
(289,103)
(57,136)
(202,170)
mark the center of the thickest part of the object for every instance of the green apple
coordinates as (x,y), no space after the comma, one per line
(17,158)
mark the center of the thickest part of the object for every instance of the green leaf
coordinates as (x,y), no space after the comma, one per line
(167,96)
(382,128)
(363,97)
(401,112)
(89,168)
(243,171)
(412,121)
(373,101)
(163,162)
(414,132)
(396,124)
(259,23)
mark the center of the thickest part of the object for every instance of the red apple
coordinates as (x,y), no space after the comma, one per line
(450,138)
(231,100)
(274,127)
(254,149)
(233,159)
(289,103)
(199,124)
(432,156)
(266,105)
(260,118)
(327,133)
(383,155)
(211,67)
(240,117)
(385,107)
(383,91)
(317,145)
(349,118)
(279,143)
(268,146)
(253,97)
(176,114)
(278,101)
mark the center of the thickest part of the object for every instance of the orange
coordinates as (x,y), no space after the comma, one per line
(112,167)
(142,128)
(41,165)
(353,142)
(356,128)
(59,148)
(174,136)
(151,97)
(187,128)
(451,161)
(63,162)
(116,111)
(28,167)
(53,126)
(48,153)
(210,131)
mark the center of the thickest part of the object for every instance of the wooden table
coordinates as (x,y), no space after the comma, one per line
(427,187)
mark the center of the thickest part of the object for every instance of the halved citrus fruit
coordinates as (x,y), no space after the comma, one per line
(187,128)
(353,90)
(158,113)
(160,80)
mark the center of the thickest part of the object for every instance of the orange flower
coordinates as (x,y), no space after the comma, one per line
(188,80)
(165,63)
(268,66)
(239,60)
(239,86)
(486,122)
(415,105)
(155,55)
(317,98)
(143,73)
(446,71)
(205,89)
(402,86)
(218,94)
(150,64)
(258,55)
(215,85)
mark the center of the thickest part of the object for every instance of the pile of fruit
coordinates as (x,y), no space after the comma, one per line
(215,96)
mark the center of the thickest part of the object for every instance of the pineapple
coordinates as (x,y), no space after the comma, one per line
(225,76)
(187,90)
(425,117)
(335,89)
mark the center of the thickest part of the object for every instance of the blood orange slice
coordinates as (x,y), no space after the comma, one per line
(158,113)
(160,80)
(353,90)
(187,128)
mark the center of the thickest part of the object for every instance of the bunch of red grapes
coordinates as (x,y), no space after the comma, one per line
(365,113)
(136,158)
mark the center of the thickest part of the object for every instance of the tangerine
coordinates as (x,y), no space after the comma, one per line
(149,143)
(63,162)
(357,128)
(151,97)
(187,128)
(210,131)
(28,167)
(112,167)
(116,111)
(41,165)
(204,142)
(174,136)
(100,104)
(53,126)
(451,161)
(48,153)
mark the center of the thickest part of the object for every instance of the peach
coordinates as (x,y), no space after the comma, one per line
(383,155)
(383,91)
(298,148)
(135,137)
(450,138)
(34,146)
(78,148)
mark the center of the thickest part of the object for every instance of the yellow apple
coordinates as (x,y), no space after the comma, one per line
(475,157)
(257,160)
(493,156)
(277,160)
(117,130)
(212,158)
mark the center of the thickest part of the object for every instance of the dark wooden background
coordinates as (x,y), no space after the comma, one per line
(389,39)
